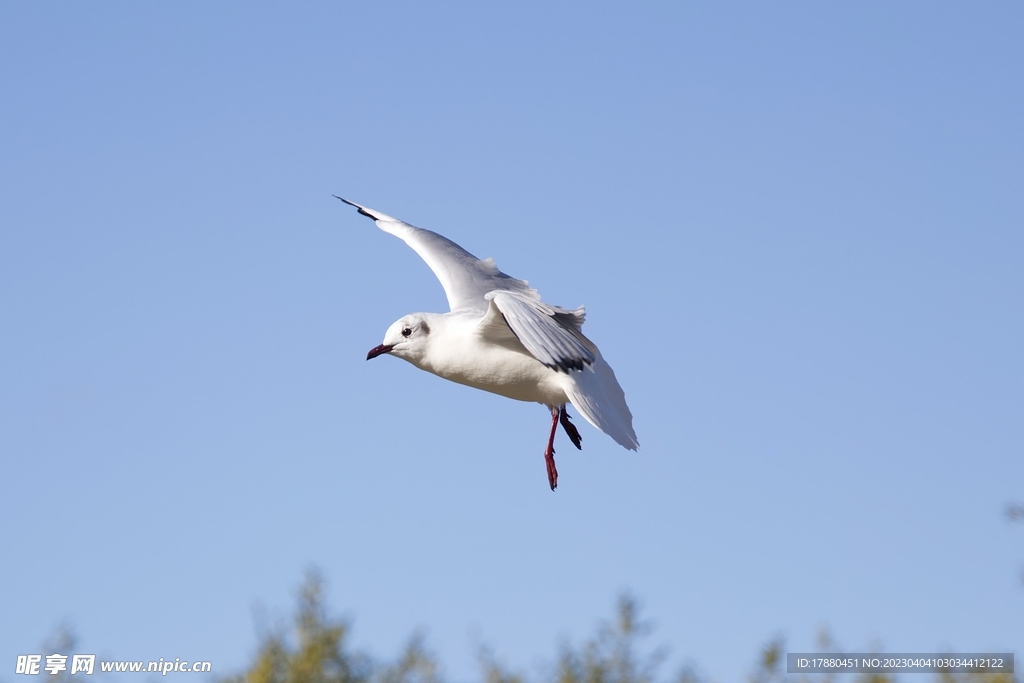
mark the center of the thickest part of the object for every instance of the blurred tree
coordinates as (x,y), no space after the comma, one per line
(1015,513)
(415,665)
(976,677)
(771,668)
(612,655)
(63,642)
(318,653)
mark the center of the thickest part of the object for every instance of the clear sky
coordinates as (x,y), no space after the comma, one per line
(798,230)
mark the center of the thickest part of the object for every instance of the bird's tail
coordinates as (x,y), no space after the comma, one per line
(597,395)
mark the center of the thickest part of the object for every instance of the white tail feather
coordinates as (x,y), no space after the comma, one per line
(599,398)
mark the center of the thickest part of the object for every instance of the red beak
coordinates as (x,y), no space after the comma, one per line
(378,350)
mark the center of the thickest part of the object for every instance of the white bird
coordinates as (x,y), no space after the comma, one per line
(500,337)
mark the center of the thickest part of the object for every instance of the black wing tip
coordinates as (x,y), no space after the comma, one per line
(358,208)
(568,365)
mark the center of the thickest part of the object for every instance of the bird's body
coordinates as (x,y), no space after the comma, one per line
(467,357)
(500,337)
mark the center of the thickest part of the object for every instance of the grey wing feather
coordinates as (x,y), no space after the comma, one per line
(464,277)
(551,334)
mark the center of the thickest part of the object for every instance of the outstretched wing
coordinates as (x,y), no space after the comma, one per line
(551,334)
(465,278)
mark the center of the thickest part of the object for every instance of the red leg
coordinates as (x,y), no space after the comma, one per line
(549,452)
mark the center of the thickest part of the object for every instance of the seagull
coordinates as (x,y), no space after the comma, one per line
(500,337)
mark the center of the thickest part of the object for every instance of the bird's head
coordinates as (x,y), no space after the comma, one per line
(406,338)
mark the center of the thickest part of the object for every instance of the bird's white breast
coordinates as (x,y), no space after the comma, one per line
(457,353)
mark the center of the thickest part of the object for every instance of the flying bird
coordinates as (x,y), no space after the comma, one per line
(500,337)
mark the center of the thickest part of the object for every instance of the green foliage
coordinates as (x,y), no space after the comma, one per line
(976,678)
(415,665)
(318,652)
(770,663)
(320,655)
(611,656)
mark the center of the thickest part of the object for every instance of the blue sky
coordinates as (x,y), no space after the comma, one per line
(798,230)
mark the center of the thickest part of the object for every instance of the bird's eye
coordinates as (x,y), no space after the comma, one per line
(406,331)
